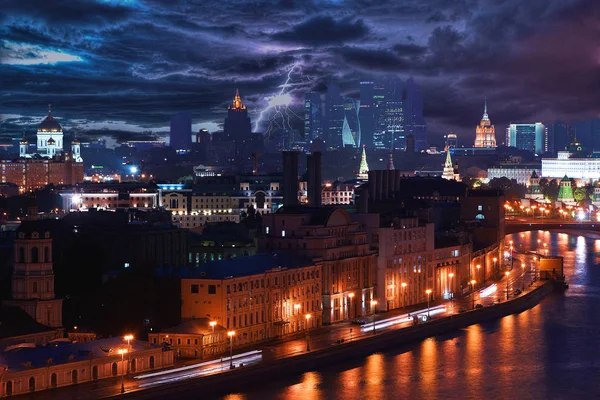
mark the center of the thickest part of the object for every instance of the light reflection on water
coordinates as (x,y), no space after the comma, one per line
(549,352)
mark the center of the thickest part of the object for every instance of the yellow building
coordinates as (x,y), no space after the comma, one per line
(257,297)
(485,133)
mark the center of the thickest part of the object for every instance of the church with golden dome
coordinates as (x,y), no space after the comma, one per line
(485,133)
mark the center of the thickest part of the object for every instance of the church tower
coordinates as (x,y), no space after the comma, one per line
(534,191)
(76,150)
(485,133)
(23,148)
(363,169)
(33,277)
(450,171)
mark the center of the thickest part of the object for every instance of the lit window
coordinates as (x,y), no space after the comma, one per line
(479,208)
(126,265)
(282,233)
(267,230)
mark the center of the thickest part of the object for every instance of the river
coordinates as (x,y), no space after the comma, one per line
(549,352)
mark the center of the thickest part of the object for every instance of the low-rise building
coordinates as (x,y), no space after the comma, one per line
(34,173)
(33,369)
(109,196)
(519,172)
(196,338)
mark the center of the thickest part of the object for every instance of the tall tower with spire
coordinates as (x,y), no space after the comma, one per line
(237,125)
(363,169)
(485,133)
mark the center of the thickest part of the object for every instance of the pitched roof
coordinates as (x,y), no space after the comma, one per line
(200,326)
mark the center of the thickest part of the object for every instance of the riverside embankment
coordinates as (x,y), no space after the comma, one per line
(263,373)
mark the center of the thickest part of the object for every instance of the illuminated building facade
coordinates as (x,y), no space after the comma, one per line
(530,137)
(35,173)
(403,247)
(351,131)
(583,169)
(259,297)
(337,193)
(330,238)
(195,338)
(108,197)
(363,168)
(224,200)
(485,132)
(49,136)
(334,116)
(520,172)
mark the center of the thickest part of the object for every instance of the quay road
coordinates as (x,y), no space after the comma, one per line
(486,295)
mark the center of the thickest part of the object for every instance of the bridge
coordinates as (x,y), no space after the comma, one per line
(522,225)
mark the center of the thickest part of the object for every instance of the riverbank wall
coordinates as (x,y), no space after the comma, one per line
(263,373)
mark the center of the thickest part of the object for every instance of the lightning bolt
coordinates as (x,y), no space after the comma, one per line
(278,106)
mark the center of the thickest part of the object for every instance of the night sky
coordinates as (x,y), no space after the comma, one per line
(119,68)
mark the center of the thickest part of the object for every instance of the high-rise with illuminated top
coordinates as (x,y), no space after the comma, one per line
(485,133)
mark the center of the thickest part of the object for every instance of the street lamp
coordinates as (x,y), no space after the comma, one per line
(495,259)
(451,275)
(373,304)
(129,338)
(428,291)
(212,325)
(351,297)
(473,281)
(478,270)
(231,334)
(507,274)
(403,284)
(307,316)
(122,352)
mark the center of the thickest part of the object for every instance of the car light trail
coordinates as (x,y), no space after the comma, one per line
(384,323)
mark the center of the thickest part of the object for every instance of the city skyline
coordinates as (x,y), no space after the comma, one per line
(107,73)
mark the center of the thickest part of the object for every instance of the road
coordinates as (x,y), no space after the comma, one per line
(321,338)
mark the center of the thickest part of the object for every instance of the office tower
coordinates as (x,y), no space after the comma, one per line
(413,115)
(366,113)
(559,133)
(334,116)
(394,115)
(181,132)
(379,122)
(237,125)
(203,136)
(351,131)
(528,137)
(451,141)
(485,132)
(312,116)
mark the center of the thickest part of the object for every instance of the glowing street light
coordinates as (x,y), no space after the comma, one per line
(231,334)
(351,297)
(428,291)
(122,352)
(212,325)
(297,307)
(307,316)
(473,282)
(373,304)
(507,274)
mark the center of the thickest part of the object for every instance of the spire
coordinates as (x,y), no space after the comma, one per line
(237,101)
(390,165)
(448,167)
(485,114)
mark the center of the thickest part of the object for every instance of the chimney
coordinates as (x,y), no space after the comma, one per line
(314,178)
(290,178)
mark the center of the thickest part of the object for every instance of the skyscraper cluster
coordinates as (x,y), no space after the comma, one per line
(386,113)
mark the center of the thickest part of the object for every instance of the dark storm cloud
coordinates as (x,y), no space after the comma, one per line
(142,61)
(324,30)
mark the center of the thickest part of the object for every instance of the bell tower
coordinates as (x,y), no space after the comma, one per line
(33,278)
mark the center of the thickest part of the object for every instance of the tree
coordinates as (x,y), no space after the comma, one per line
(580,194)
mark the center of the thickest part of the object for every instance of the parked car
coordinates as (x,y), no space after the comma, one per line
(359,321)
(478,305)
(462,310)
(517,292)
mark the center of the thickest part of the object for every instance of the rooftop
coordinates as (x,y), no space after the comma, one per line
(16,322)
(62,353)
(246,266)
(200,326)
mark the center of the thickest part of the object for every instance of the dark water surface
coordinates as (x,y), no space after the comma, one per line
(549,352)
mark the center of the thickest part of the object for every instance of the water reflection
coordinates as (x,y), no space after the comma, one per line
(550,351)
